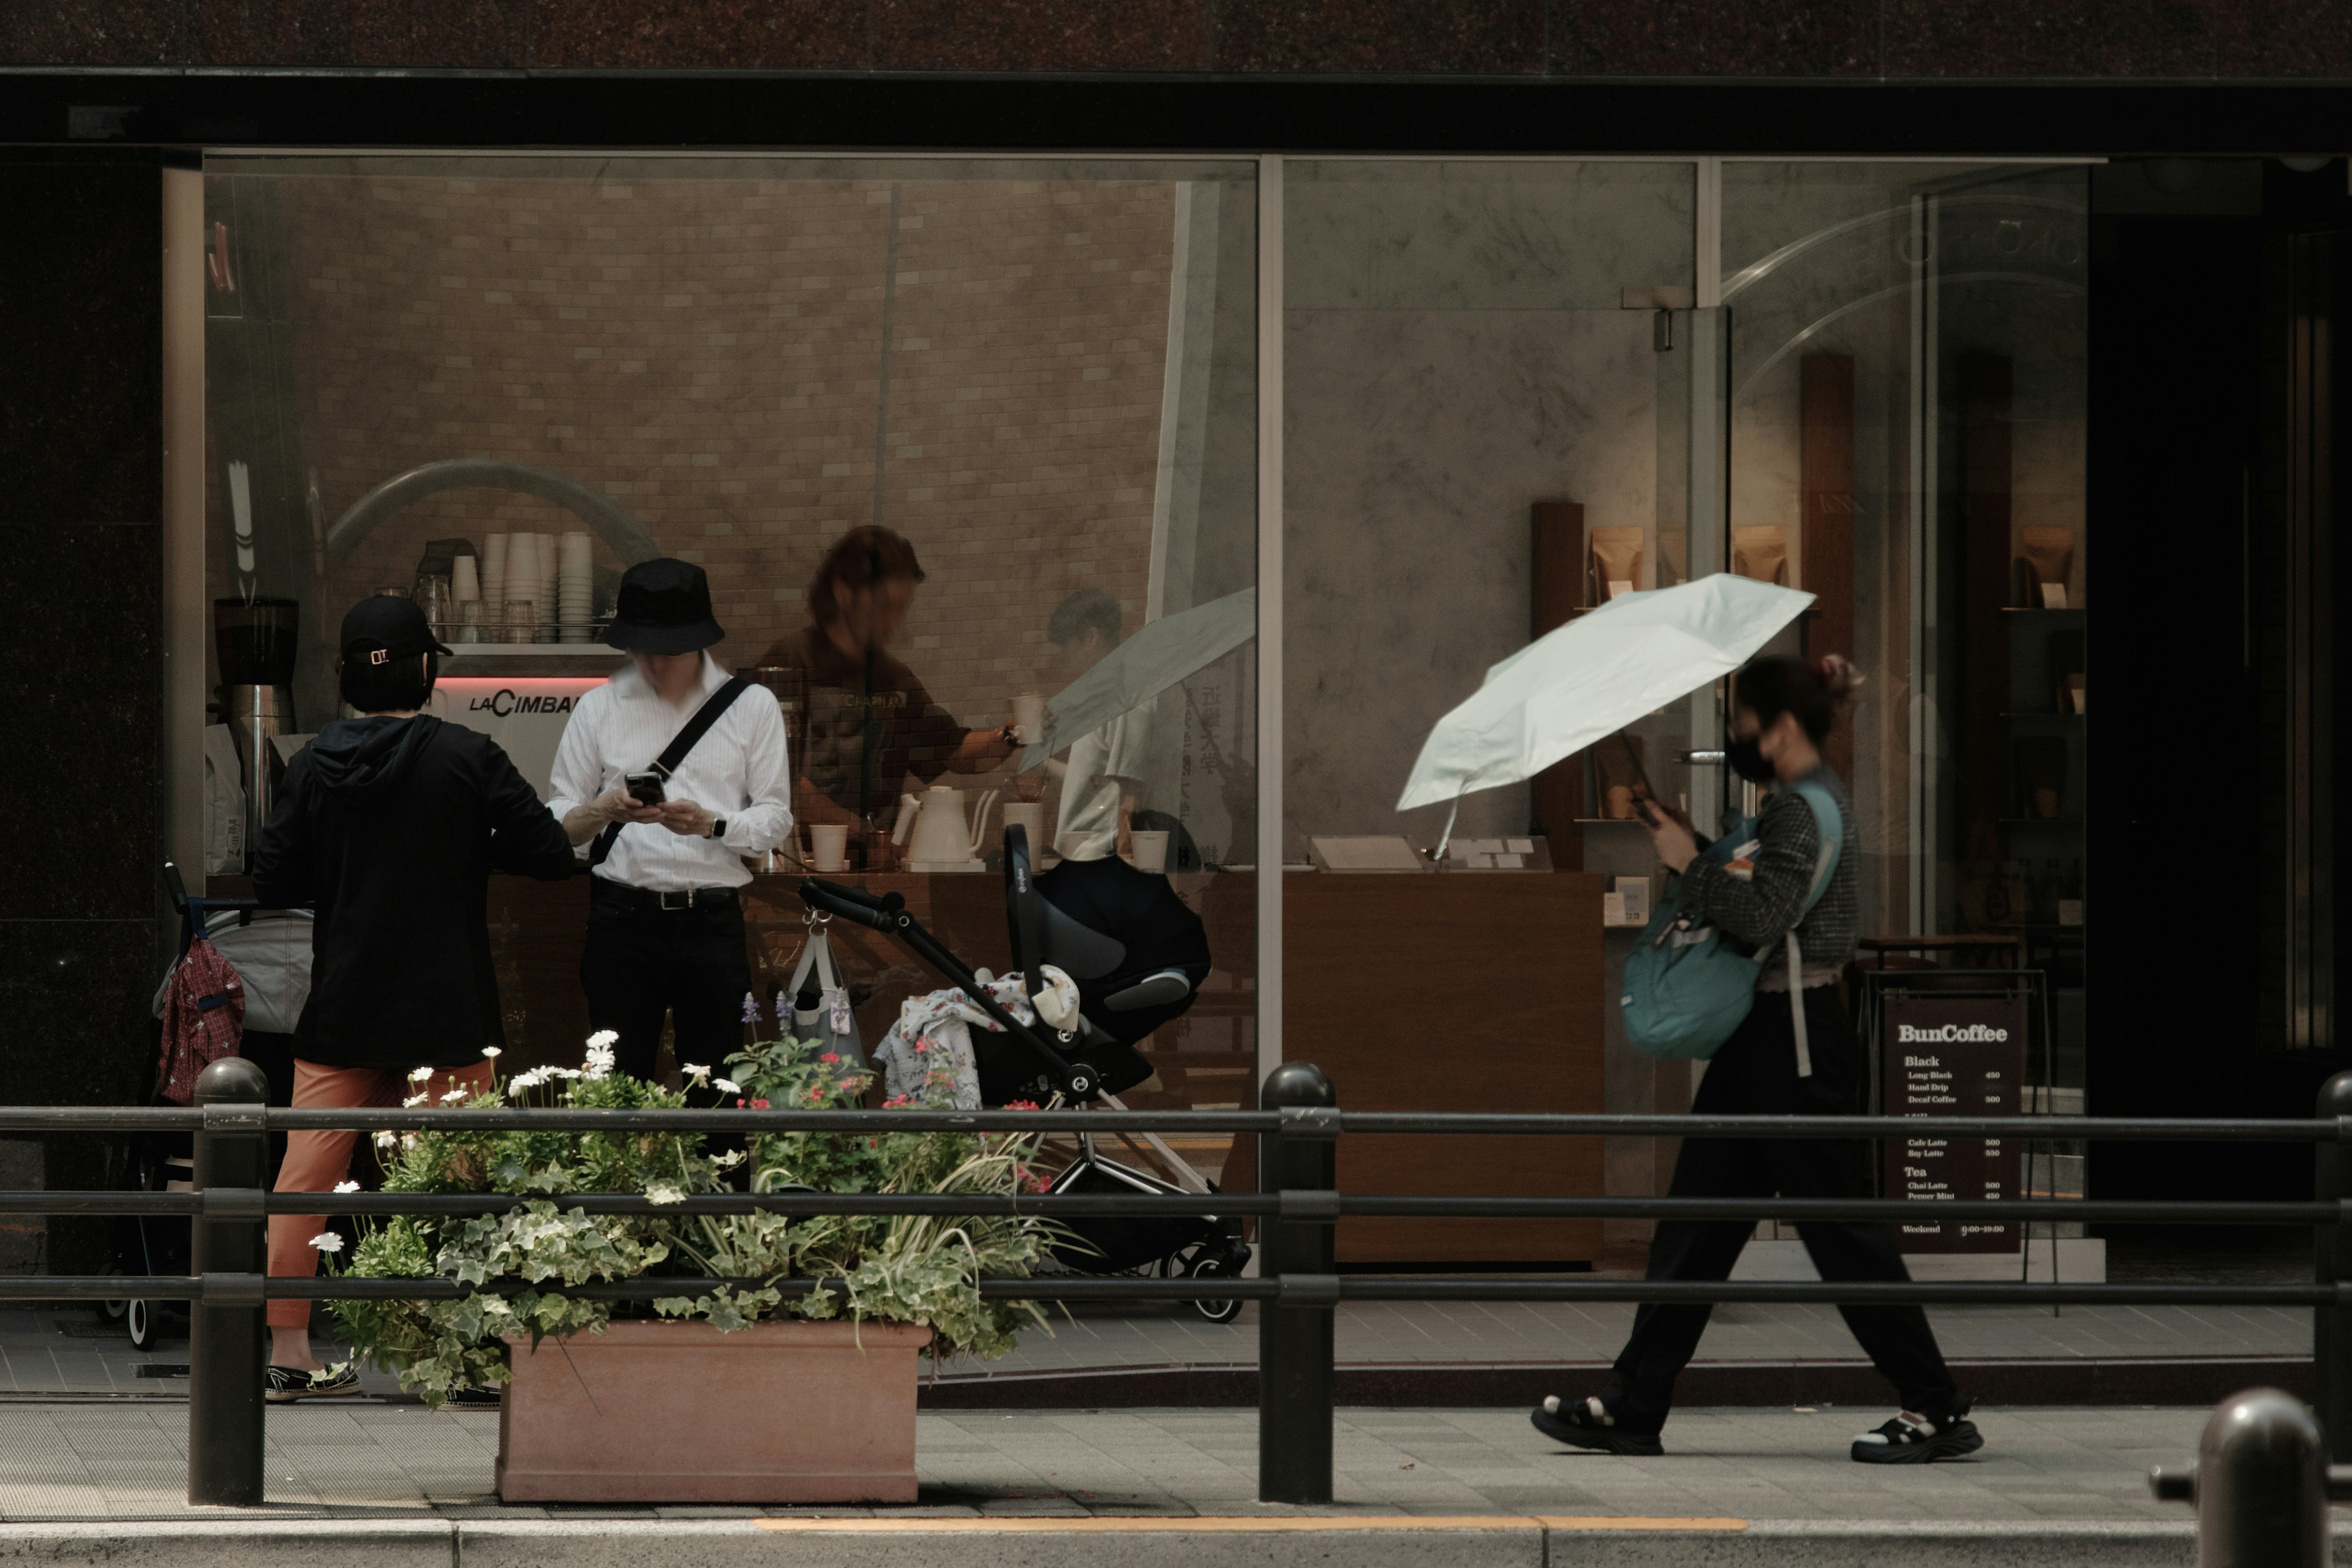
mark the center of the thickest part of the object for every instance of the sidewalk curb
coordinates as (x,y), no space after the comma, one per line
(234,1540)
(2123,1380)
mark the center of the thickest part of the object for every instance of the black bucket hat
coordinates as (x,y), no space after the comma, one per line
(664,607)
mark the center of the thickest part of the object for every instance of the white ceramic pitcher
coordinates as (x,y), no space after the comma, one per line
(941,833)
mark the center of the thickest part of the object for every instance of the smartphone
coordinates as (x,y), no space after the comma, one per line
(647,787)
(1642,801)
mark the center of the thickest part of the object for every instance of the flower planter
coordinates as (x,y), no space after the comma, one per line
(678,1412)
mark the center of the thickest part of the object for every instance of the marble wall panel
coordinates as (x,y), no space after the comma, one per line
(1436,234)
(1415,442)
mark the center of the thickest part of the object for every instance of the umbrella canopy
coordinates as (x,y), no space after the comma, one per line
(1593,677)
(1156,658)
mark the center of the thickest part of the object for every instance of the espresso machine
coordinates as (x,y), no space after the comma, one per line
(254,640)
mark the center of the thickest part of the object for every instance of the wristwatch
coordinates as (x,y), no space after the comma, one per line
(718,828)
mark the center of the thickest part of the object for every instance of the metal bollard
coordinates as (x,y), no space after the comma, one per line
(2262,1485)
(2331,1326)
(225,1355)
(1295,1330)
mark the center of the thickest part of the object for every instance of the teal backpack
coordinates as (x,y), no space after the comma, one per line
(1688,988)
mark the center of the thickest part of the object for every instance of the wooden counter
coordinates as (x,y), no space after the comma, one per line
(1454,992)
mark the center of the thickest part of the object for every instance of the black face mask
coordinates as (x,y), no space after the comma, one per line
(1747,759)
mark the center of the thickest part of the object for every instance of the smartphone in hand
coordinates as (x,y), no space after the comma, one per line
(647,787)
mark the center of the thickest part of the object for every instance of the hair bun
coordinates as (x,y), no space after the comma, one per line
(1840,678)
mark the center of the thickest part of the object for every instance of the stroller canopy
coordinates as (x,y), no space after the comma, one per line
(1141,913)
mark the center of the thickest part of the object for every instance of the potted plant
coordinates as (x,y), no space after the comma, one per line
(743,1396)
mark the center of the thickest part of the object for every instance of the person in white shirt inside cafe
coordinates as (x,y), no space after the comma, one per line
(665,782)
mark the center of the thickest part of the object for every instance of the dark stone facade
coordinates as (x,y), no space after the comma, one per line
(2177,39)
(81,571)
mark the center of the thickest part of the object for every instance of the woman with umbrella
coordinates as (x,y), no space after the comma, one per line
(1783,709)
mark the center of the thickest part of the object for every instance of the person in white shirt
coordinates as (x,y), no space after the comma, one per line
(665,922)
(1102,778)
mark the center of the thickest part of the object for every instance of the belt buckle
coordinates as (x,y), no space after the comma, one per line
(677,901)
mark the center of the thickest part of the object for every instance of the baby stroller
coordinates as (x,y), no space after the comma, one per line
(271,950)
(1138,955)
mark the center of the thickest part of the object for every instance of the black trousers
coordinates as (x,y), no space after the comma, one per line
(1755,1073)
(641,961)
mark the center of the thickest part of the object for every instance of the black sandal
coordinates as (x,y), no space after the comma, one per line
(1592,1425)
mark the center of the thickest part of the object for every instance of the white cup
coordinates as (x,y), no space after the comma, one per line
(829,846)
(1152,852)
(1029,815)
(1029,716)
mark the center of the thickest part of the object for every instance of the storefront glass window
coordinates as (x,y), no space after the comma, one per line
(1485,373)
(497,382)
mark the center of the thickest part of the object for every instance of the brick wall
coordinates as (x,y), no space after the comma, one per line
(710,352)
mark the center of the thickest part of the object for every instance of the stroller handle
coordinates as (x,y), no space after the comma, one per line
(852,904)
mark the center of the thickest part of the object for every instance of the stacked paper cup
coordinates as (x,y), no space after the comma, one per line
(575,582)
(549,576)
(466,594)
(494,588)
(526,584)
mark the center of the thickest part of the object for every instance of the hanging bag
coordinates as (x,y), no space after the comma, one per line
(832,1023)
(1687,987)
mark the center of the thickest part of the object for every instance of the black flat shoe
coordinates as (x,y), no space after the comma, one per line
(1911,1439)
(285,1384)
(1589,1425)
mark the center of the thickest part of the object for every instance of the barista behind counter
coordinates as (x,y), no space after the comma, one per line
(870,722)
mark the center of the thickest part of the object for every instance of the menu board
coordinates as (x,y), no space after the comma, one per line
(1954,1056)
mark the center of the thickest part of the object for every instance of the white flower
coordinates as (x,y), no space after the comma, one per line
(454,1094)
(524,1082)
(491,1053)
(565,1073)
(420,1075)
(347,1187)
(726,1085)
(387,1140)
(412,1102)
(695,1073)
(604,1040)
(327,1241)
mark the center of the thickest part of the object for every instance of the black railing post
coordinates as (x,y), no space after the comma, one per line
(2261,1485)
(2331,1326)
(1297,1249)
(230,1256)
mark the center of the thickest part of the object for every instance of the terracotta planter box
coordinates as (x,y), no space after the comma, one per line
(678,1412)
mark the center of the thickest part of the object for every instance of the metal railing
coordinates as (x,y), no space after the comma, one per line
(1299,1127)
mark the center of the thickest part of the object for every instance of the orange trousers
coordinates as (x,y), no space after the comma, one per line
(315,1162)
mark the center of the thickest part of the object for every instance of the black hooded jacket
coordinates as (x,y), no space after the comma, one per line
(389,828)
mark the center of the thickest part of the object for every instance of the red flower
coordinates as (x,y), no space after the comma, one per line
(758,1105)
(1021,1105)
(830,1058)
(751,1105)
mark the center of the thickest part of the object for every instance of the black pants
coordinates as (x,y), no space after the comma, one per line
(642,962)
(1755,1073)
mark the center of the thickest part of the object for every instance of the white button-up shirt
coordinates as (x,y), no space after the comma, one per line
(738,771)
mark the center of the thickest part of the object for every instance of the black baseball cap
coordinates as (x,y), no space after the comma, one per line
(664,607)
(389,625)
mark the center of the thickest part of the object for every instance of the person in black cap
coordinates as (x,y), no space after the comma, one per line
(665,926)
(389,825)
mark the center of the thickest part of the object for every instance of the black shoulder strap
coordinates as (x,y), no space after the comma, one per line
(685,740)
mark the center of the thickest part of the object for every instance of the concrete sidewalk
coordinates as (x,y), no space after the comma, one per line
(81,1483)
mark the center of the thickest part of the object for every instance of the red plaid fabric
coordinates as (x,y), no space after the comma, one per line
(204,1020)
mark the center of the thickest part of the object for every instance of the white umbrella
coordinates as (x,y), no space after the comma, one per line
(1156,658)
(1594,676)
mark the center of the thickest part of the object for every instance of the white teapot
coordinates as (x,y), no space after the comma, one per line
(934,829)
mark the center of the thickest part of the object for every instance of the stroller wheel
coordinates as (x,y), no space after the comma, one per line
(141,1318)
(1211,1268)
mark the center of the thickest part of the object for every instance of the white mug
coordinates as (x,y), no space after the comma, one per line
(1152,852)
(1029,814)
(829,846)
(1029,718)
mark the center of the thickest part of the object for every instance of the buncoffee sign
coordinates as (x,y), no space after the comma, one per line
(1953,1055)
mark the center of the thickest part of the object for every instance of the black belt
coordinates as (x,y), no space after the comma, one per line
(647,899)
